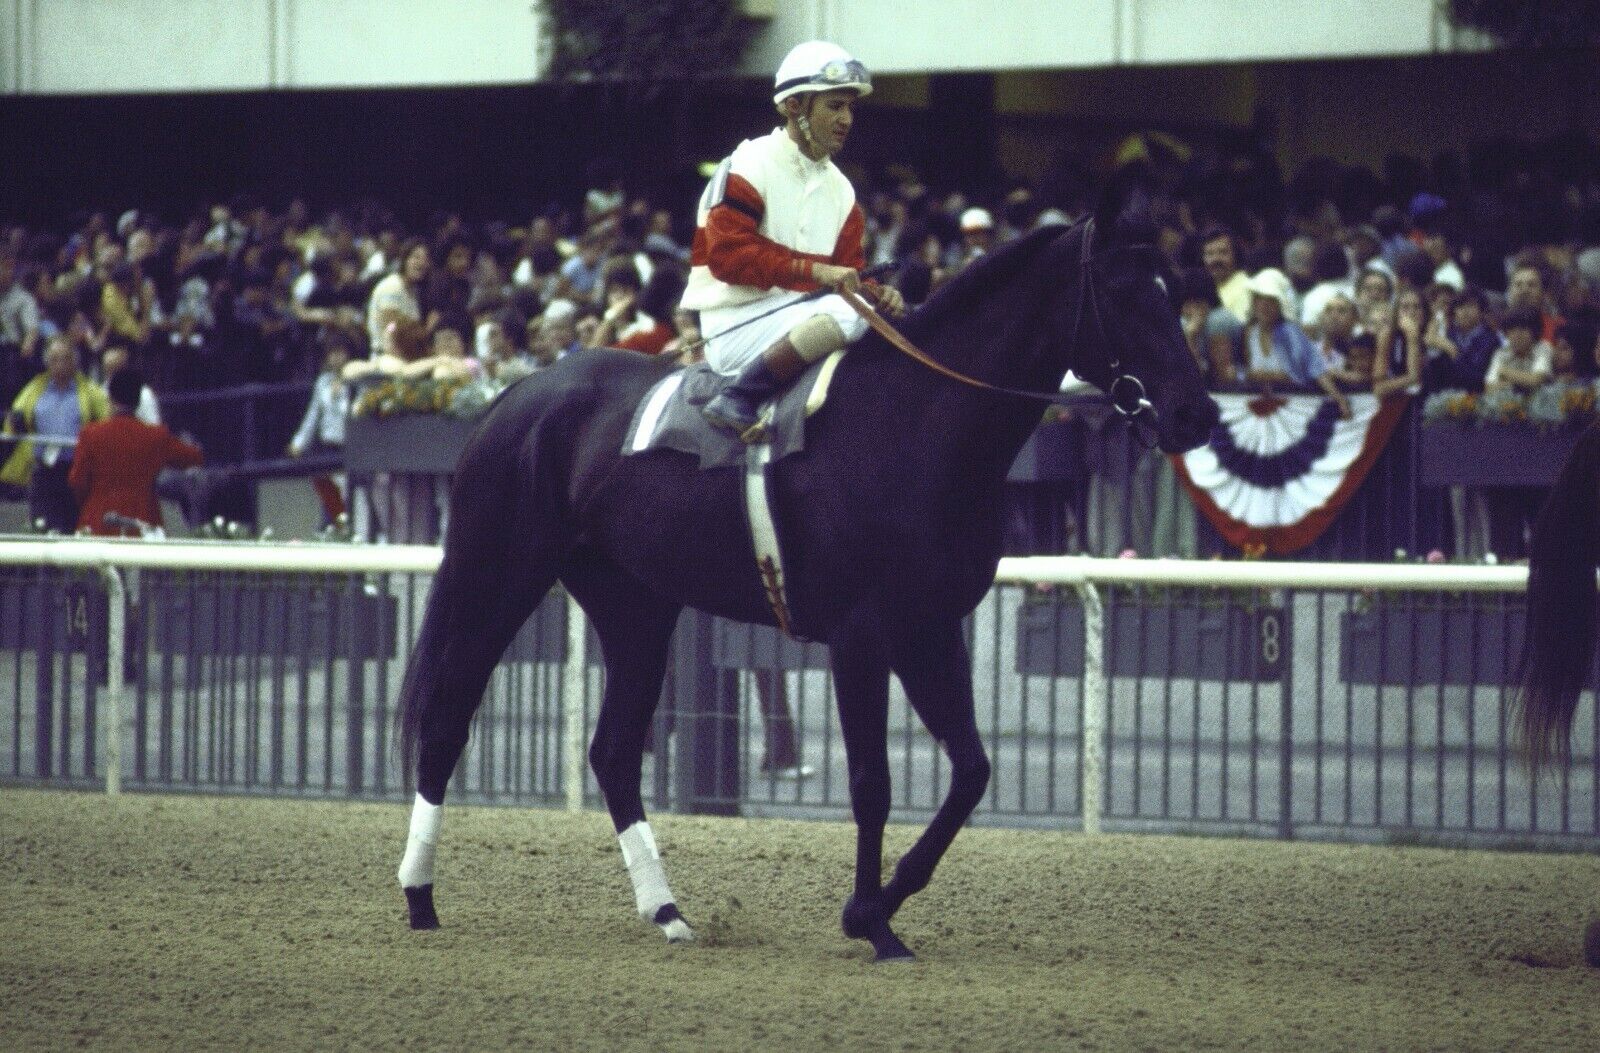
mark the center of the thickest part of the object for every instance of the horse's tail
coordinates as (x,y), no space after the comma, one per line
(498,564)
(1558,650)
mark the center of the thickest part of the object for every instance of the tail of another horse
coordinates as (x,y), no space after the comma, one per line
(501,553)
(1558,652)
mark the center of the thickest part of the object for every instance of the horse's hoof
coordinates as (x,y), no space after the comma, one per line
(857,919)
(673,924)
(419,901)
(1591,942)
(887,948)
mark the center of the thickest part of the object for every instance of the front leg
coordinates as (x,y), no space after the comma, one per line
(861,685)
(934,668)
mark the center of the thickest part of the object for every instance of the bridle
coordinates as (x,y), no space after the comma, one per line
(1127,391)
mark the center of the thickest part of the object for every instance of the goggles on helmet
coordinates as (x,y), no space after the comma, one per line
(836,74)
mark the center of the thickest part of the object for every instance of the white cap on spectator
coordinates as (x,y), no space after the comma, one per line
(1274,283)
(976,219)
(560,311)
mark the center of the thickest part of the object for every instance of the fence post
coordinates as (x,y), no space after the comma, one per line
(1286,715)
(573,723)
(1095,691)
(116,621)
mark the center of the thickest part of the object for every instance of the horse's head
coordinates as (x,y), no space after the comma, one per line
(1123,317)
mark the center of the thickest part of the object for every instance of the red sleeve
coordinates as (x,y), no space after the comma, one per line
(181,454)
(851,248)
(737,253)
(79,475)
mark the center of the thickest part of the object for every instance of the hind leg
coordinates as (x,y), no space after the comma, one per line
(466,627)
(635,628)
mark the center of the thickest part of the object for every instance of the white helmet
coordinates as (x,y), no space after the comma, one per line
(818,65)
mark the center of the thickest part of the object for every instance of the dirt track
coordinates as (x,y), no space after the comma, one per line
(161,922)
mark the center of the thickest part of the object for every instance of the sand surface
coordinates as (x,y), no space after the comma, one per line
(150,922)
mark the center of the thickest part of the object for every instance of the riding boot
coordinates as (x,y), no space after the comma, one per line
(737,407)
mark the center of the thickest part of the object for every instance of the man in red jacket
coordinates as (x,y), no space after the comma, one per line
(118,460)
(779,220)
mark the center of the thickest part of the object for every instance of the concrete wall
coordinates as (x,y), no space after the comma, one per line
(116,46)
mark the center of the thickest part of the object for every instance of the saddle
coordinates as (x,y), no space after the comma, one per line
(669,417)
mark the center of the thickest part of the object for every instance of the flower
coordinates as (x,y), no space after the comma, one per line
(1127,553)
(1435,556)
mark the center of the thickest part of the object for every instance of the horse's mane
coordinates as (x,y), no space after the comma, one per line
(980,278)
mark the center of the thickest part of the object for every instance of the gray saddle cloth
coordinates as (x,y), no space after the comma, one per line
(669,417)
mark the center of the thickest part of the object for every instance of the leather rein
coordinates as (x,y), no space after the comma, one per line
(1127,392)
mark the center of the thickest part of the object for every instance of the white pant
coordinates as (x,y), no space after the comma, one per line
(730,353)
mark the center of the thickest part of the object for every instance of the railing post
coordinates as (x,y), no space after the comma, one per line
(573,724)
(116,621)
(1095,700)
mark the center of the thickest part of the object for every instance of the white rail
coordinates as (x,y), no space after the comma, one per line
(1083,574)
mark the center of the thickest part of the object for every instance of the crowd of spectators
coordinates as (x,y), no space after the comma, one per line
(1456,275)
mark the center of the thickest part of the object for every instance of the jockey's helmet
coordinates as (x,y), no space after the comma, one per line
(818,65)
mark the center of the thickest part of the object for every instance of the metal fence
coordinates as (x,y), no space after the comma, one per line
(1291,700)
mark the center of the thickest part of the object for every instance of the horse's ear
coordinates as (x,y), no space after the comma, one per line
(1125,200)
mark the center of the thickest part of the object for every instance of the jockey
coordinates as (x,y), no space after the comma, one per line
(777,221)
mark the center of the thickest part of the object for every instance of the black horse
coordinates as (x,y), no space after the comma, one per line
(890,521)
(1558,644)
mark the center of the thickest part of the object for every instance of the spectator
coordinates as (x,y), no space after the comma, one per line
(114,472)
(1436,245)
(1212,351)
(398,297)
(977,238)
(1399,346)
(19,329)
(1220,256)
(51,409)
(580,275)
(1374,290)
(1525,291)
(125,306)
(114,361)
(557,334)
(1331,269)
(623,324)
(1459,355)
(1523,361)
(450,291)
(322,428)
(1277,350)
(1340,328)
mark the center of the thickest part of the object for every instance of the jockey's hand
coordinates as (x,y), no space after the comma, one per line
(844,279)
(890,302)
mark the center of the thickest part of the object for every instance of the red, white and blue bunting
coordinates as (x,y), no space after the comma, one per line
(1279,468)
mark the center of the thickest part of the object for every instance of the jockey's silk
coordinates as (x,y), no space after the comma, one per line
(767,214)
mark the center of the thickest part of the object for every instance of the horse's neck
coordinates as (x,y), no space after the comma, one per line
(994,340)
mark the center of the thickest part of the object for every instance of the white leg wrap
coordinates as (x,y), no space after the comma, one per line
(416,869)
(639,855)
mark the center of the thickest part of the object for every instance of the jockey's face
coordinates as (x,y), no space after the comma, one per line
(830,114)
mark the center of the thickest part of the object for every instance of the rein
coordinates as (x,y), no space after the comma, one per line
(1127,392)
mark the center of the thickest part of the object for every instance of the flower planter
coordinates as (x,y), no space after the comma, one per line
(231,620)
(1403,645)
(1494,454)
(418,442)
(1180,640)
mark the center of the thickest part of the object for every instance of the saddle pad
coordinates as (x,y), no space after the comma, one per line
(669,417)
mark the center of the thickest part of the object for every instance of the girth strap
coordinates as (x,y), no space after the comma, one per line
(763,532)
